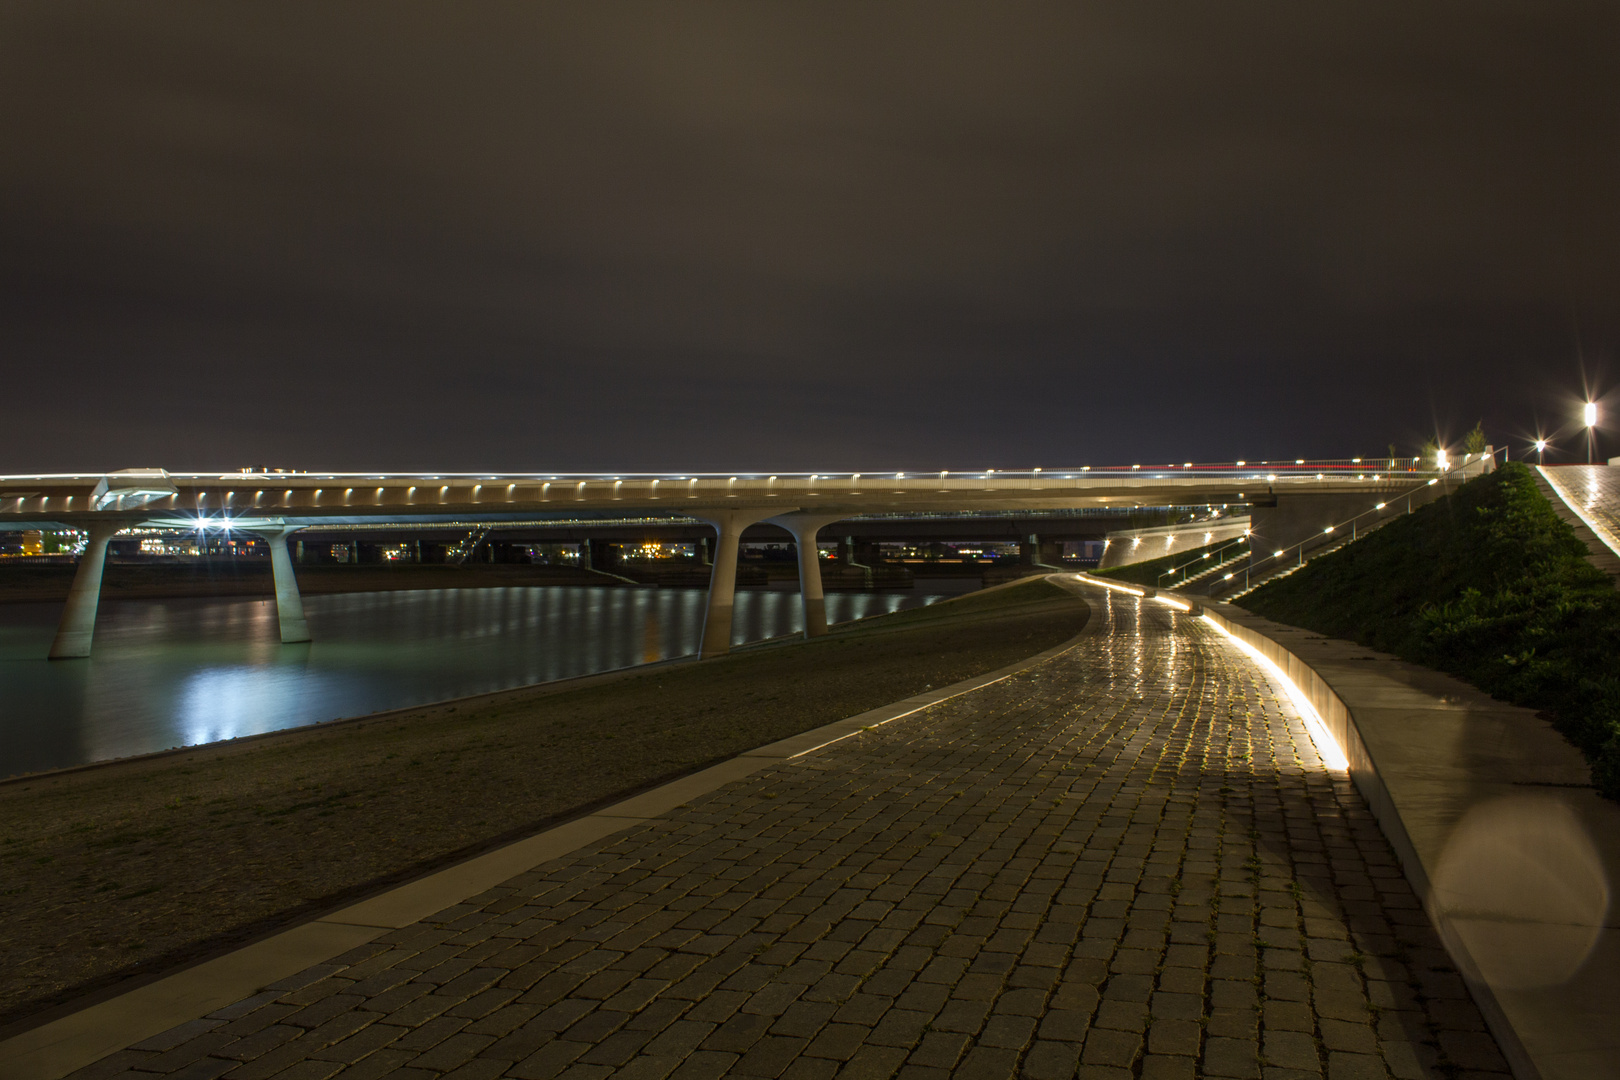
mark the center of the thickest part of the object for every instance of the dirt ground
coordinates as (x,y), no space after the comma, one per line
(139,865)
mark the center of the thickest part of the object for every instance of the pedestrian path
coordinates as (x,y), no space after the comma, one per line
(1127,861)
(1592,494)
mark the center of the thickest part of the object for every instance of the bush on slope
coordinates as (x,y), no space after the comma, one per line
(1486,584)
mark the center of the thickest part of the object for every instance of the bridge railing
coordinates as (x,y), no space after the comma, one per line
(1473,464)
(1202,561)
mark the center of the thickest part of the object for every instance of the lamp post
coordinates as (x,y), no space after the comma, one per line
(1541,451)
(1590,415)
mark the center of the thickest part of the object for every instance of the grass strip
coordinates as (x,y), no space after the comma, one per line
(1487,584)
(143,864)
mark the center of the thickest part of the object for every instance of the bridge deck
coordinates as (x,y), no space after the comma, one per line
(1128,860)
(306,498)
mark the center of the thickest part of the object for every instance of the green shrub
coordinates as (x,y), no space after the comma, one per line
(1486,584)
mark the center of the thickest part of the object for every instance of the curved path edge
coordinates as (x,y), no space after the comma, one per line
(70,1042)
(1425,750)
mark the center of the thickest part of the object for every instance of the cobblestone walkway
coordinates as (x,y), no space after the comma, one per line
(1126,862)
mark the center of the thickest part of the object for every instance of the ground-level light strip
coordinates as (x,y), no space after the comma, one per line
(1326,746)
(1116,586)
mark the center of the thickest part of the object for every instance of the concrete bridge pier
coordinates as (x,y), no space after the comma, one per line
(804,528)
(728,526)
(1042,554)
(289,604)
(78,625)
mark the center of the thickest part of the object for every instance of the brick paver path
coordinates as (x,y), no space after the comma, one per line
(1126,862)
(1595,490)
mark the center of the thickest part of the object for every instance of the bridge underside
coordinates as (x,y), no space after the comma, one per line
(1050,507)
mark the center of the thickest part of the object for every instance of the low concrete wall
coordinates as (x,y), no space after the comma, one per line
(1497,829)
(1123,550)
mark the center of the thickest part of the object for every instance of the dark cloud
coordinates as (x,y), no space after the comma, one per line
(818,236)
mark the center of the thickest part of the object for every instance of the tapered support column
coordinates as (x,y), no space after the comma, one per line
(289,604)
(804,528)
(728,527)
(78,623)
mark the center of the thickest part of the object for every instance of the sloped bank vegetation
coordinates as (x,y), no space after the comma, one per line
(1486,584)
(1150,571)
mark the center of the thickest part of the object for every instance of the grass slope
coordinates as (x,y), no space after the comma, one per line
(1147,572)
(151,862)
(1488,585)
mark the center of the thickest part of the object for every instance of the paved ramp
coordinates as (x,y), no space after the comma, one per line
(1591,494)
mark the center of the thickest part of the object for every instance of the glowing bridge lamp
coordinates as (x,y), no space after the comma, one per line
(1589,415)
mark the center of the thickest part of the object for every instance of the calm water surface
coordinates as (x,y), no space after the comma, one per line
(181,672)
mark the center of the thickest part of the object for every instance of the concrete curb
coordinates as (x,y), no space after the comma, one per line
(71,1042)
(1427,751)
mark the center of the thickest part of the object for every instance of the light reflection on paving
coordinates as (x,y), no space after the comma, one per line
(1125,862)
(1593,491)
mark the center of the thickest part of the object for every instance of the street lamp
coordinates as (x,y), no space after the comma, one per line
(1590,415)
(1541,451)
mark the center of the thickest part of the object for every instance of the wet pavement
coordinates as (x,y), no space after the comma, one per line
(1593,492)
(1127,861)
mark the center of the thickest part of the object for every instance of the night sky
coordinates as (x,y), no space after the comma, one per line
(798,236)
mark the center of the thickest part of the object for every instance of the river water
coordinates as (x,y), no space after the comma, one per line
(172,673)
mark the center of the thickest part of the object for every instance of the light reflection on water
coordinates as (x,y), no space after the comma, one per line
(181,672)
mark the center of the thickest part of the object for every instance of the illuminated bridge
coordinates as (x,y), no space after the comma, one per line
(274,505)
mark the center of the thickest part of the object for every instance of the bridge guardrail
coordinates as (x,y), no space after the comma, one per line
(1472,465)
